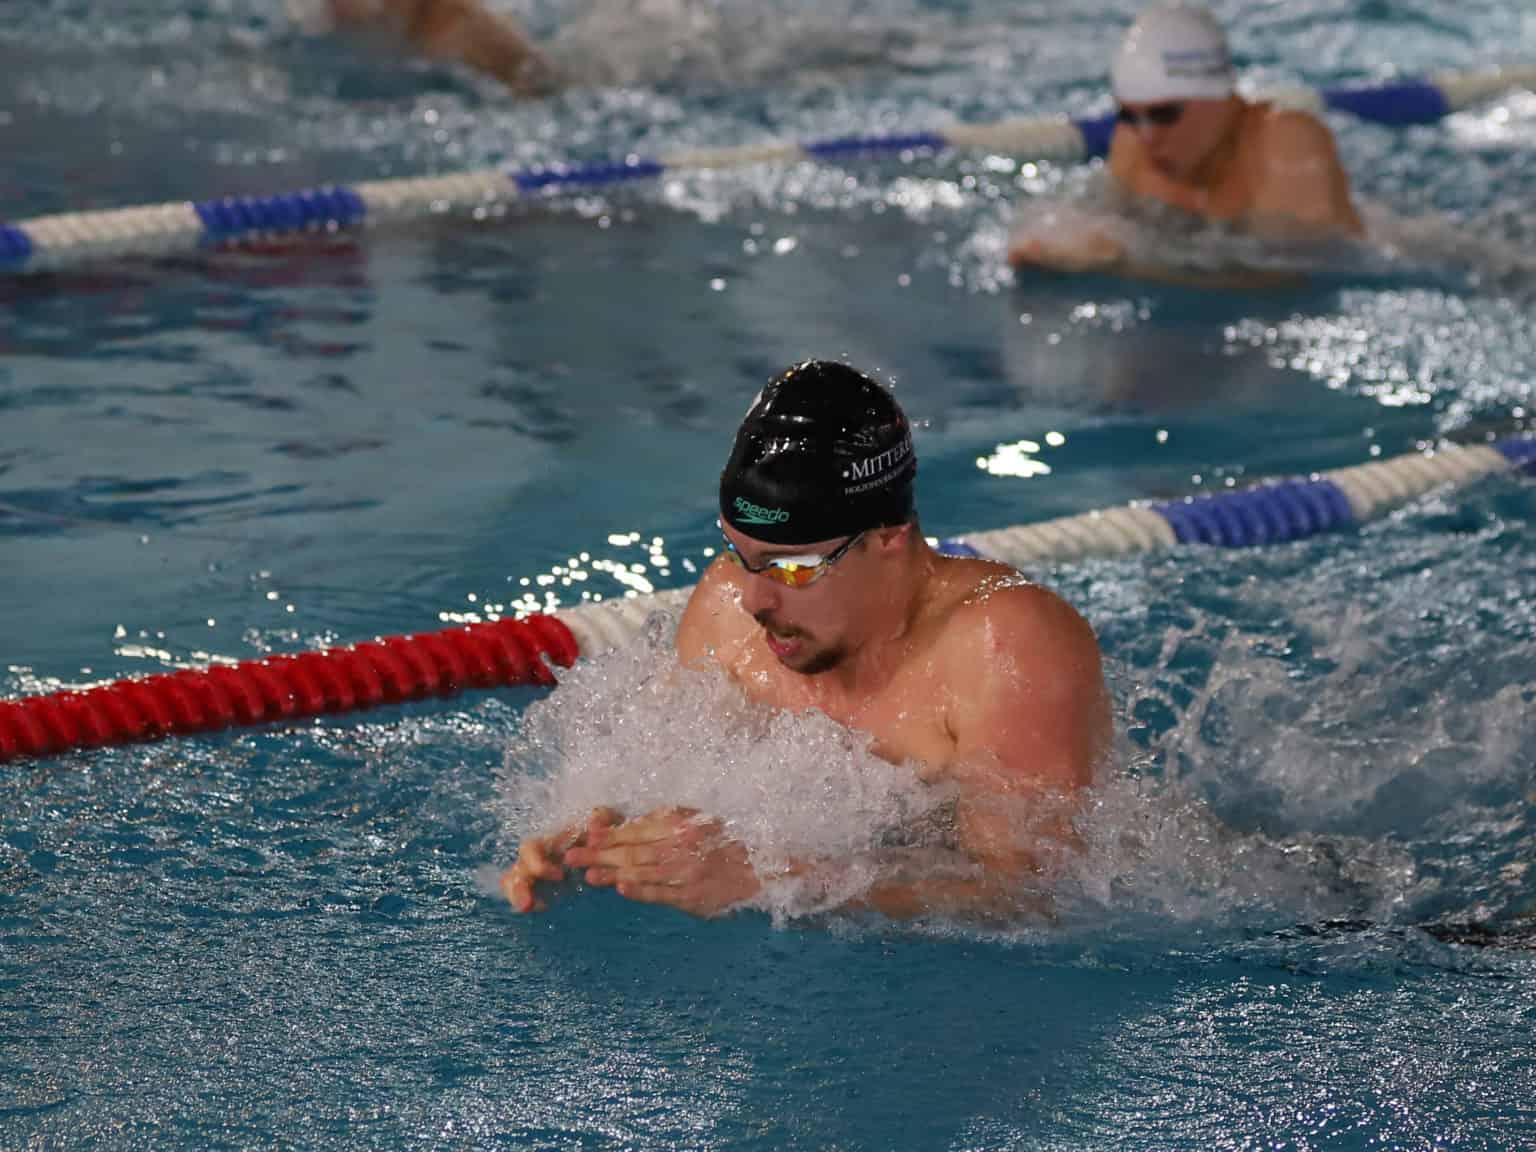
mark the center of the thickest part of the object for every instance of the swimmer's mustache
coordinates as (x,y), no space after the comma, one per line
(767,621)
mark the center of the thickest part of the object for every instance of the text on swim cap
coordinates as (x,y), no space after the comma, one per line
(756,514)
(1195,63)
(870,471)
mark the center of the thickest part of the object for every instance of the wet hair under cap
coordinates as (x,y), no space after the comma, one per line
(823,452)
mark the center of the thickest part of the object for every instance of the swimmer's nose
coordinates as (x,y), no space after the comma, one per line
(759,595)
(1154,142)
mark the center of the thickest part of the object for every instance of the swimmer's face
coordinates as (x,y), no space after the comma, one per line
(1178,136)
(810,629)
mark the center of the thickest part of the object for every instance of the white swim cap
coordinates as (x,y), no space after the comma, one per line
(1173,52)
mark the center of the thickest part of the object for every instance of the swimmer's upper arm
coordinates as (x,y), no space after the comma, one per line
(1029,715)
(1030,721)
(1032,694)
(1302,179)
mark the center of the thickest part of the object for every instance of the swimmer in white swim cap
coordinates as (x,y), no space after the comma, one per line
(459,31)
(1185,138)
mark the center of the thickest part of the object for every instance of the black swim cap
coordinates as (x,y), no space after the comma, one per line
(823,452)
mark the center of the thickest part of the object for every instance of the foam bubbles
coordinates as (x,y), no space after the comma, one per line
(631,730)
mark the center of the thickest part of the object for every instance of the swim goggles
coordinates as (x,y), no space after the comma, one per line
(1162,114)
(796,571)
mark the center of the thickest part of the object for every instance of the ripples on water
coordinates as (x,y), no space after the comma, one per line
(161,354)
(276,937)
(1303,740)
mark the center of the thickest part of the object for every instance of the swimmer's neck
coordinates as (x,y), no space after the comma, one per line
(872,664)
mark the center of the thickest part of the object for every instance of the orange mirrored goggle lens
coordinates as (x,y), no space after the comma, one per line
(795,571)
(790,572)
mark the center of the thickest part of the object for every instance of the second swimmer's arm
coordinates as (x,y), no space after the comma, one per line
(458,30)
(466,31)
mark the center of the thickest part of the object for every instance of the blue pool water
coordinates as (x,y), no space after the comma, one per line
(282,938)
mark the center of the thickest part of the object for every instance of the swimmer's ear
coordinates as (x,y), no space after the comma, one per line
(895,536)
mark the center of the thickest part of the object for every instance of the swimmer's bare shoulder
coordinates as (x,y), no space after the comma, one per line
(1290,129)
(713,625)
(1299,180)
(1025,678)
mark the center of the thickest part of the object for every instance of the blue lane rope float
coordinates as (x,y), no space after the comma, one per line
(509,651)
(1521,453)
(1271,513)
(65,239)
(233,218)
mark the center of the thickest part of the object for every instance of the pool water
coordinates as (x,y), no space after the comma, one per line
(1305,916)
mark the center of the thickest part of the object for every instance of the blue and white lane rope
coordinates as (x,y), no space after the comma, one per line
(1269,513)
(48,242)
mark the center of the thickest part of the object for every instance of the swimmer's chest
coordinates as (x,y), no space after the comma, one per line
(906,717)
(1228,200)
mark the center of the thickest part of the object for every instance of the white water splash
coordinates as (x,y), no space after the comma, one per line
(631,731)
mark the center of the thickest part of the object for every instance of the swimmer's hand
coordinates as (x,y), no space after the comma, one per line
(671,856)
(546,858)
(1076,251)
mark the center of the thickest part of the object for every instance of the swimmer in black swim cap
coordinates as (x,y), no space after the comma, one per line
(828,598)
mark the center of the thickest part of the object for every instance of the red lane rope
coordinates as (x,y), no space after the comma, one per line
(384,671)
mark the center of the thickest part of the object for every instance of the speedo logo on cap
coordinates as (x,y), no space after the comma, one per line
(756,514)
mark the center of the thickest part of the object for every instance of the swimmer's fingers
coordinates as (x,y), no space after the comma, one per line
(598,823)
(647,865)
(607,856)
(545,855)
(704,883)
(704,892)
(538,858)
(545,858)
(541,859)
(649,875)
(517,887)
(658,826)
(675,845)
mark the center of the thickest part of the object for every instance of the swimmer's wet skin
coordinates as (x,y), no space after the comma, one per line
(828,598)
(458,31)
(1185,139)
